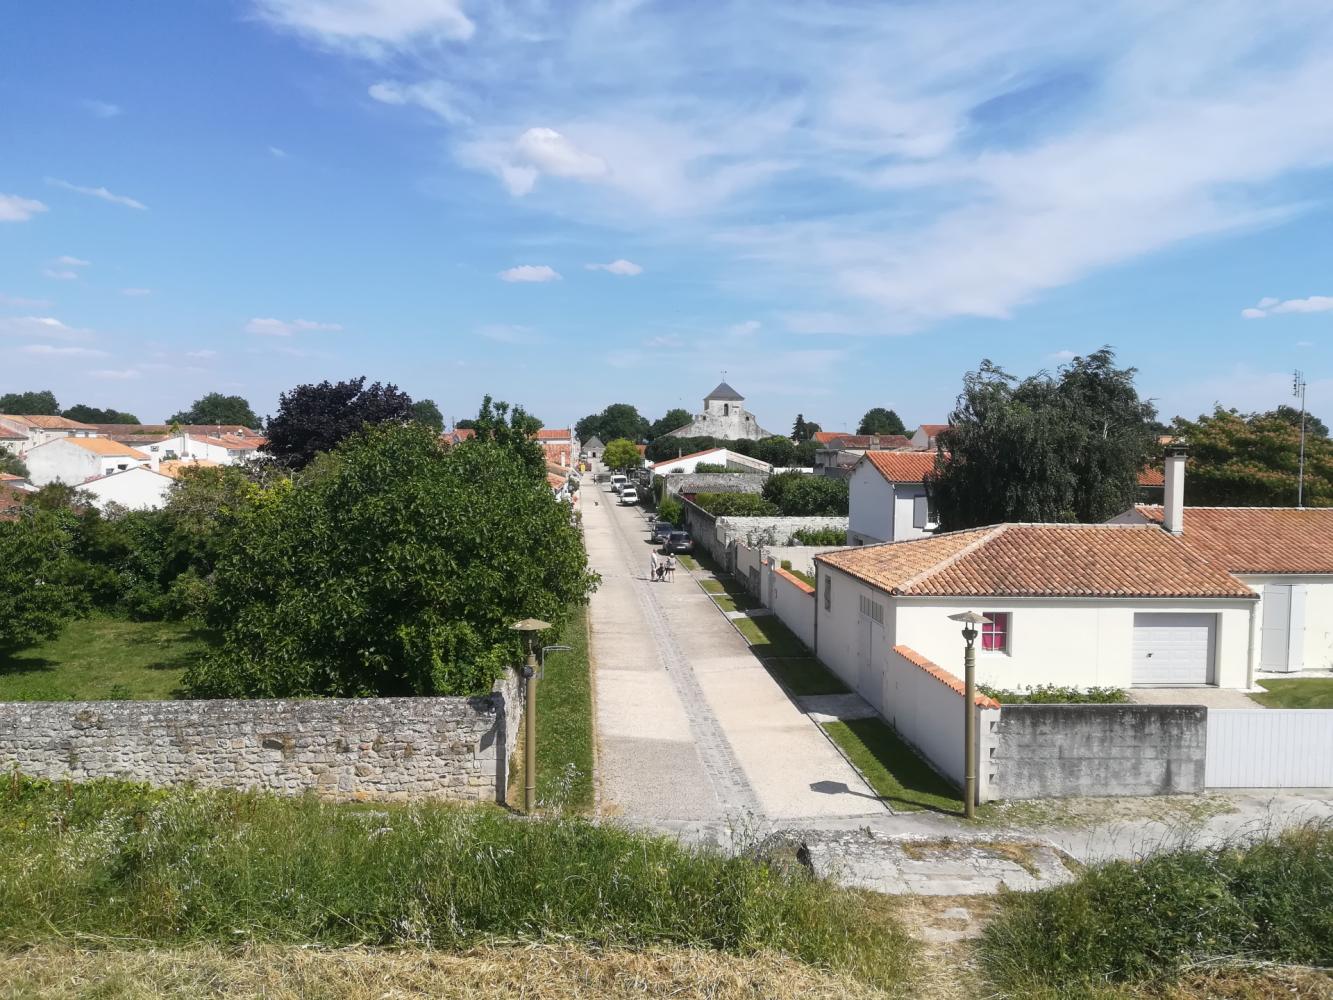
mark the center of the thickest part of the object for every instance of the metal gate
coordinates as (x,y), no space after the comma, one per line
(1269,748)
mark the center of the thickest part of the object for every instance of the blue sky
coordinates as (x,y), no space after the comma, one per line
(567,205)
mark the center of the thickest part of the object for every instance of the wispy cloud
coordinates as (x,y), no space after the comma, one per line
(19,302)
(370,28)
(98,192)
(72,262)
(530,273)
(59,274)
(270,327)
(53,351)
(745,328)
(203,355)
(41,326)
(278,153)
(116,374)
(625,268)
(509,333)
(1276,307)
(16,209)
(435,96)
(102,109)
(136,293)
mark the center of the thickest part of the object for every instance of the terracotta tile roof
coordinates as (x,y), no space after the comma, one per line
(1040,560)
(934,430)
(1258,539)
(458,436)
(554,434)
(554,481)
(6,434)
(1152,477)
(824,437)
(949,680)
(104,446)
(49,423)
(869,442)
(902,466)
(165,430)
(173,467)
(9,477)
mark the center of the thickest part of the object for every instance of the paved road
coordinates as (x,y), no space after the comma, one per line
(690,726)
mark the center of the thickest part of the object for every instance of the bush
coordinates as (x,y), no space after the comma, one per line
(819,536)
(735,505)
(1053,694)
(1123,921)
(187,866)
(37,596)
(671,510)
(800,494)
(711,467)
(390,567)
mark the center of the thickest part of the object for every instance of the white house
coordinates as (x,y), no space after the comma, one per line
(923,438)
(887,499)
(733,461)
(38,429)
(1083,605)
(137,488)
(1284,554)
(724,416)
(186,447)
(75,460)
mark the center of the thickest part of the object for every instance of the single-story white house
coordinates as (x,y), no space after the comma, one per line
(1082,605)
(187,447)
(888,499)
(75,460)
(138,488)
(732,460)
(1284,554)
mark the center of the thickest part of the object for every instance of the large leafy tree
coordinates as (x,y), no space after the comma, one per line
(619,420)
(92,415)
(621,454)
(38,404)
(672,420)
(881,421)
(1064,447)
(513,429)
(215,408)
(800,494)
(1253,460)
(396,570)
(315,418)
(777,451)
(424,411)
(36,595)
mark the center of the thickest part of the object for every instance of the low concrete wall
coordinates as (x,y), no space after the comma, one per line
(1053,751)
(678,483)
(793,601)
(372,748)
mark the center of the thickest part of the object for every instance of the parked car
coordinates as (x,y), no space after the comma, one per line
(628,496)
(662,530)
(679,541)
(617,483)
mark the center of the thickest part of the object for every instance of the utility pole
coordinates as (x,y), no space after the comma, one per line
(1298,391)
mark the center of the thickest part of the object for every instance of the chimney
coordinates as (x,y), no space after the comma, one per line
(1173,498)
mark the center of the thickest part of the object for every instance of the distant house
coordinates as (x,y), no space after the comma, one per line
(731,460)
(592,448)
(38,429)
(887,497)
(138,488)
(187,446)
(13,441)
(75,460)
(458,435)
(923,438)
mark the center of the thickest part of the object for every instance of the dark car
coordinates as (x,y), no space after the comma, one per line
(662,530)
(679,541)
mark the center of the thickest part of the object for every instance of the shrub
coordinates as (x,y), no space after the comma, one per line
(37,596)
(735,504)
(671,510)
(819,536)
(800,494)
(1053,694)
(711,467)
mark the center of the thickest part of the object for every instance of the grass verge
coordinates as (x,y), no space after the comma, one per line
(1152,921)
(564,725)
(893,768)
(1300,692)
(102,657)
(804,675)
(769,637)
(123,862)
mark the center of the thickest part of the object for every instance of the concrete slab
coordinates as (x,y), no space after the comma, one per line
(833,707)
(1209,697)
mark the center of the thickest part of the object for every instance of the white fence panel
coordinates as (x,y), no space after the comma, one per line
(1269,748)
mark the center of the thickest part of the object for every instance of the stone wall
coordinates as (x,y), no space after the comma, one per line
(1054,751)
(371,748)
(690,483)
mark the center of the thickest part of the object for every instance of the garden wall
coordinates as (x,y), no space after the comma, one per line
(371,748)
(1052,751)
(793,601)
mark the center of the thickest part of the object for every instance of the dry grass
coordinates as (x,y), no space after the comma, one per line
(532,973)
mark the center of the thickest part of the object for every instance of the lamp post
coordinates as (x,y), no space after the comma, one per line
(530,626)
(970,620)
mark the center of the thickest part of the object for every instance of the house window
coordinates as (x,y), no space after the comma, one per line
(995,633)
(828,593)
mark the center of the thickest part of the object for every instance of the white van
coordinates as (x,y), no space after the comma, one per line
(617,483)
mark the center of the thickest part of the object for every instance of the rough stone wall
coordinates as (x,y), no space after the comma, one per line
(678,483)
(1054,751)
(371,748)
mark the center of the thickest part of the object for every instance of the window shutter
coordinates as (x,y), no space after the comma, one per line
(920,511)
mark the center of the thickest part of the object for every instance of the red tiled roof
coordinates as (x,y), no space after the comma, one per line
(824,437)
(1040,560)
(943,676)
(48,423)
(6,434)
(1152,477)
(872,442)
(104,446)
(1257,539)
(934,429)
(554,434)
(902,466)
(459,435)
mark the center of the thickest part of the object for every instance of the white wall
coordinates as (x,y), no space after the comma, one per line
(191,446)
(59,461)
(851,645)
(134,489)
(871,506)
(1316,648)
(904,512)
(801,557)
(793,604)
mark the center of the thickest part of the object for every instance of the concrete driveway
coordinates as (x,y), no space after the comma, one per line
(690,725)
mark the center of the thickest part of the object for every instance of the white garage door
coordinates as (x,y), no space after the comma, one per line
(1173,649)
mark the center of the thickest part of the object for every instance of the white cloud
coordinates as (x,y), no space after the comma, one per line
(98,192)
(115,374)
(269,327)
(136,292)
(47,327)
(745,328)
(537,151)
(278,153)
(370,28)
(60,275)
(16,209)
(665,342)
(19,302)
(530,273)
(625,268)
(1065,355)
(509,333)
(72,262)
(204,354)
(436,96)
(54,351)
(103,109)
(1269,306)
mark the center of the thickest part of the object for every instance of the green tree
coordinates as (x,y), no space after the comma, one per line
(12,464)
(800,494)
(397,570)
(1313,425)
(621,454)
(1252,460)
(776,451)
(36,595)
(799,430)
(215,408)
(673,420)
(1047,448)
(315,418)
(736,504)
(513,429)
(619,420)
(424,411)
(30,404)
(92,415)
(880,421)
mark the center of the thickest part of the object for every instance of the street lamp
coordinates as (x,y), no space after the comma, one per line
(530,626)
(970,620)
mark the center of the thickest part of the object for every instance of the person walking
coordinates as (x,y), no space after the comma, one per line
(654,569)
(670,568)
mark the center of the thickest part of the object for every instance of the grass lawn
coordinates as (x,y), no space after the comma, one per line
(893,769)
(689,562)
(729,598)
(769,637)
(101,657)
(803,675)
(1301,692)
(564,725)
